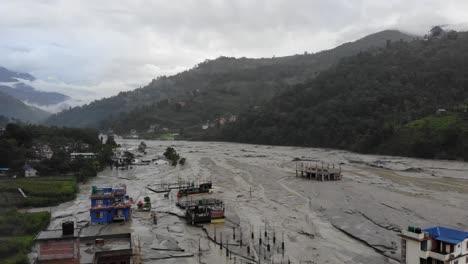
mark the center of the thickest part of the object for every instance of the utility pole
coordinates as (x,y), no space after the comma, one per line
(199,250)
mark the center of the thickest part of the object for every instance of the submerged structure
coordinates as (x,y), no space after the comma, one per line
(203,210)
(318,172)
(435,245)
(80,246)
(192,189)
(109,204)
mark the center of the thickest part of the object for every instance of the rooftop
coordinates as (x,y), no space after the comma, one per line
(82,154)
(445,234)
(116,244)
(56,234)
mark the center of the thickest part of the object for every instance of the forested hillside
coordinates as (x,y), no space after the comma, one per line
(213,89)
(30,95)
(388,101)
(14,108)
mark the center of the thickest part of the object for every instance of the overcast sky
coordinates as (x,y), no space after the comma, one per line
(103,47)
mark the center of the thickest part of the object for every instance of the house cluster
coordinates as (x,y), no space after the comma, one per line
(435,245)
(82,246)
(220,121)
(29,171)
(89,245)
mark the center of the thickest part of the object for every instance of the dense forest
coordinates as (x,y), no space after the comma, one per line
(409,98)
(212,89)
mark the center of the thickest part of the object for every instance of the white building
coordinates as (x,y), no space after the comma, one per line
(435,245)
(29,171)
(85,155)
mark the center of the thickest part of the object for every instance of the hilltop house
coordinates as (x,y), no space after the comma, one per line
(435,245)
(29,171)
(441,111)
(85,155)
(109,204)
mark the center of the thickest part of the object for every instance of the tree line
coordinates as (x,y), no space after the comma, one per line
(408,98)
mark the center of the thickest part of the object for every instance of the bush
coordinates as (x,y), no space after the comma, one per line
(182,161)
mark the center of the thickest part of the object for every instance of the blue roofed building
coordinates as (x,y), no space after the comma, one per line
(5,172)
(110,204)
(435,245)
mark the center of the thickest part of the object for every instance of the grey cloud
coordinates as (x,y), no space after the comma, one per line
(117,45)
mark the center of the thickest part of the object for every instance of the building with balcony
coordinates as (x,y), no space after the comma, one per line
(109,204)
(435,245)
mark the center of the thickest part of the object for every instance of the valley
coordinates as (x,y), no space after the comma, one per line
(355,220)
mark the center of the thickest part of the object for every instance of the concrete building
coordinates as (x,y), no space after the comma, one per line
(73,246)
(109,204)
(84,155)
(59,246)
(106,249)
(435,245)
(29,171)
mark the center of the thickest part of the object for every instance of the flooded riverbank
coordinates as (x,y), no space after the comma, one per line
(355,220)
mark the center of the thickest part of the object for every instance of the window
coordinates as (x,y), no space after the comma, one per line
(456,262)
(99,214)
(424,245)
(99,202)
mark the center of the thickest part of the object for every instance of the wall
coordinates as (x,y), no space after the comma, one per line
(105,202)
(58,251)
(94,218)
(412,252)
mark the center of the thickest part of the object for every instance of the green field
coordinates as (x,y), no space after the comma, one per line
(44,191)
(17,232)
(435,122)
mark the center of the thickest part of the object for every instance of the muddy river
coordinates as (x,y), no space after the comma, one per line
(355,220)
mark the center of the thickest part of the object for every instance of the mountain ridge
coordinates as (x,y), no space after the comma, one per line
(13,108)
(10,76)
(407,99)
(27,93)
(211,89)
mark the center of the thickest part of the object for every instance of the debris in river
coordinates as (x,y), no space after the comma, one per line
(319,173)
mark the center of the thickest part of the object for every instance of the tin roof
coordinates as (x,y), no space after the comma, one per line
(445,234)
